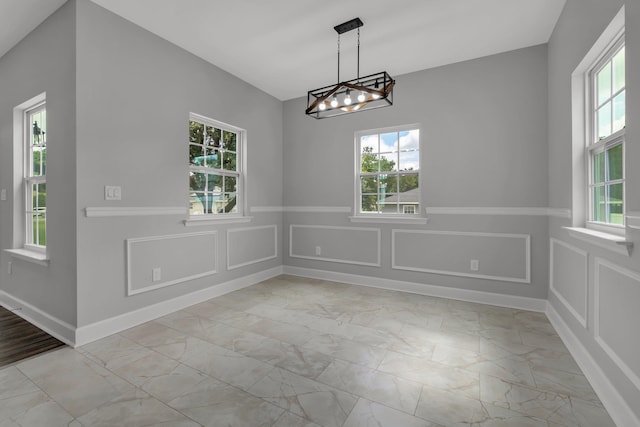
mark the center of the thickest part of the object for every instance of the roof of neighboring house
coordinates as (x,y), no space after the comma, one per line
(408,197)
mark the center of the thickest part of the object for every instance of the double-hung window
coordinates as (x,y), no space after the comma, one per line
(606,138)
(35,178)
(388,171)
(215,168)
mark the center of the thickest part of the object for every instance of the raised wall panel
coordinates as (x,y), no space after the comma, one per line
(348,245)
(617,294)
(180,257)
(504,257)
(250,245)
(569,278)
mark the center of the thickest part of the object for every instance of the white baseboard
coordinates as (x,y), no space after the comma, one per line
(94,331)
(618,409)
(510,301)
(52,325)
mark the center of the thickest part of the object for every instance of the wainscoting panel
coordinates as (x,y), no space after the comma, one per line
(504,257)
(349,245)
(569,278)
(176,258)
(617,292)
(250,245)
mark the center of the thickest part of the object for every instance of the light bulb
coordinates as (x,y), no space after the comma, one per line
(347,98)
(375,95)
(322,106)
(361,97)
(334,102)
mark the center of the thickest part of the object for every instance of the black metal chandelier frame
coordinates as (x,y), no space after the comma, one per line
(359,94)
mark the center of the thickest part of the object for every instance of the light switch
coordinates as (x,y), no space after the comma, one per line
(112,192)
(3,194)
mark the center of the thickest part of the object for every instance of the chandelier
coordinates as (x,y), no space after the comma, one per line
(359,94)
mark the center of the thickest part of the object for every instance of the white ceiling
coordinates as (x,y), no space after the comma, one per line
(287,47)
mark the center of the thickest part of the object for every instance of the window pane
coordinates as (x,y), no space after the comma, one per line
(618,112)
(604,121)
(604,84)
(388,162)
(598,167)
(214,183)
(196,132)
(369,203)
(213,137)
(224,203)
(369,185)
(388,142)
(409,183)
(369,162)
(388,184)
(196,156)
(410,140)
(614,159)
(229,161)
(618,70)
(599,204)
(615,204)
(230,184)
(389,203)
(39,192)
(213,157)
(39,160)
(409,160)
(197,181)
(197,203)
(230,141)
(369,144)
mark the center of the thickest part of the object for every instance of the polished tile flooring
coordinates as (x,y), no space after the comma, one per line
(302,352)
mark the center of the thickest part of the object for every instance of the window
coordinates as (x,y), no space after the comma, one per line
(606,138)
(35,178)
(388,171)
(215,163)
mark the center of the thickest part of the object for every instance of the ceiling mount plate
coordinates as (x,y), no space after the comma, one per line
(348,26)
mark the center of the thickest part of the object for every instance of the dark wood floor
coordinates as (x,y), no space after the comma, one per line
(19,339)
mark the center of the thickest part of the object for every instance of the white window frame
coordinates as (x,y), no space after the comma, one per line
(29,179)
(594,146)
(358,213)
(239,173)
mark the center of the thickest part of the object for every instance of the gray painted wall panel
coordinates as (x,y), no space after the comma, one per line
(134,95)
(500,256)
(348,245)
(251,245)
(569,278)
(44,61)
(178,258)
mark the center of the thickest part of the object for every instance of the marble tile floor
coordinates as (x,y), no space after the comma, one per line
(296,352)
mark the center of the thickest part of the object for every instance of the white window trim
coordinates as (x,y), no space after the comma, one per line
(21,250)
(386,217)
(241,192)
(592,146)
(581,132)
(29,180)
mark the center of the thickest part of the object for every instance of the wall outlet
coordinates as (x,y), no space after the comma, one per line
(3,194)
(475,265)
(156,274)
(318,250)
(112,192)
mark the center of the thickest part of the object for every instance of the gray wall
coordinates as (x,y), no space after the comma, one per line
(484,129)
(593,289)
(134,94)
(44,61)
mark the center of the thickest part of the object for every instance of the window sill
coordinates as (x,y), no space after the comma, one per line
(197,221)
(29,256)
(612,242)
(388,219)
